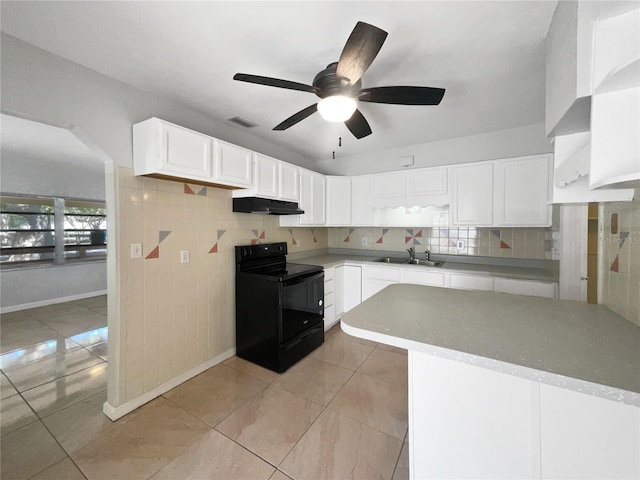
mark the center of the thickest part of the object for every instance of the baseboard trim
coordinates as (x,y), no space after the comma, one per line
(114,413)
(51,301)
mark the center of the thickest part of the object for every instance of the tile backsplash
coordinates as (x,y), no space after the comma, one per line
(175,316)
(621,259)
(533,243)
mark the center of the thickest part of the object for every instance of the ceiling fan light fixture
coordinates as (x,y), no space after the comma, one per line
(337,108)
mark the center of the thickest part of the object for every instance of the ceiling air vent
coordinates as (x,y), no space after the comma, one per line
(243,122)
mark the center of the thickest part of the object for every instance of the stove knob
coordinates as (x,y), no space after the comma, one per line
(319,303)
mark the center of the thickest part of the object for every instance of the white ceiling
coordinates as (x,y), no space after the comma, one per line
(488,55)
(45,144)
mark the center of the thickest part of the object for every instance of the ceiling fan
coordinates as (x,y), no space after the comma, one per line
(339,85)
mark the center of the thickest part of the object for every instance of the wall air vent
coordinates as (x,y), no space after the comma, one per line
(243,122)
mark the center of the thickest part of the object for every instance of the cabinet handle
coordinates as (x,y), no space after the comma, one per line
(584,278)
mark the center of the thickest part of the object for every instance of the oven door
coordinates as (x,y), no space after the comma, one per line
(302,304)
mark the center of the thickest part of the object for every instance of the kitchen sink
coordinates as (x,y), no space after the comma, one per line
(406,261)
(426,263)
(400,261)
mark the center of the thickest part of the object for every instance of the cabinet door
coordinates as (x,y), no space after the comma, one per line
(233,164)
(319,196)
(338,201)
(427,181)
(267,176)
(184,153)
(312,198)
(522,192)
(351,287)
(587,437)
(388,189)
(472,202)
(289,182)
(376,278)
(419,276)
(361,209)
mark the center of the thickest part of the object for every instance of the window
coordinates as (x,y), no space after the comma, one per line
(28,230)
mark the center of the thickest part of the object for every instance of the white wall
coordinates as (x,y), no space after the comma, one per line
(530,140)
(32,287)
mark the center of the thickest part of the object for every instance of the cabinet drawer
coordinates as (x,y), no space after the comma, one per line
(470,282)
(329,273)
(329,317)
(382,273)
(525,287)
(329,299)
(418,277)
(329,286)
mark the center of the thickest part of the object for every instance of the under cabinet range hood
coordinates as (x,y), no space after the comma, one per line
(265,206)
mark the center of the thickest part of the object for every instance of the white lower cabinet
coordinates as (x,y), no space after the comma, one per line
(330,317)
(482,423)
(587,437)
(350,284)
(348,288)
(375,279)
(525,287)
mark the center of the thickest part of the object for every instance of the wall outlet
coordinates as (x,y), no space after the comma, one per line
(136,250)
(184,256)
(460,245)
(364,241)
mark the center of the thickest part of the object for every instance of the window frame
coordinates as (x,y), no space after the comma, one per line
(61,249)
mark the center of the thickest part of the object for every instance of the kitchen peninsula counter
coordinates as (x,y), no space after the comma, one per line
(552,387)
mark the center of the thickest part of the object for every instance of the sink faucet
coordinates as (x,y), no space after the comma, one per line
(412,254)
(427,255)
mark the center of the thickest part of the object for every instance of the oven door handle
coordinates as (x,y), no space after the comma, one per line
(303,278)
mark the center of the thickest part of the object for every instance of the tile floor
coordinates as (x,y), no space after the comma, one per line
(340,413)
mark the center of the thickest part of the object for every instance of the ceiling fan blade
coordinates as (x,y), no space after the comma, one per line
(297,117)
(402,95)
(274,82)
(358,125)
(361,48)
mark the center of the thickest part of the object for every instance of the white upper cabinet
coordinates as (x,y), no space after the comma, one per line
(388,189)
(361,209)
(266,176)
(318,206)
(233,165)
(312,201)
(338,201)
(427,187)
(289,182)
(472,194)
(522,188)
(162,148)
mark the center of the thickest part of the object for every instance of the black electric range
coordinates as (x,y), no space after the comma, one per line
(279,306)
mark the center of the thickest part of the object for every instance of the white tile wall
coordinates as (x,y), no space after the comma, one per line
(175,316)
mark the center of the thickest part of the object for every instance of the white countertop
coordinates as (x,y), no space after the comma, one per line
(585,348)
(538,274)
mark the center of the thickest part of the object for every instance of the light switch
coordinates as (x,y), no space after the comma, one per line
(136,250)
